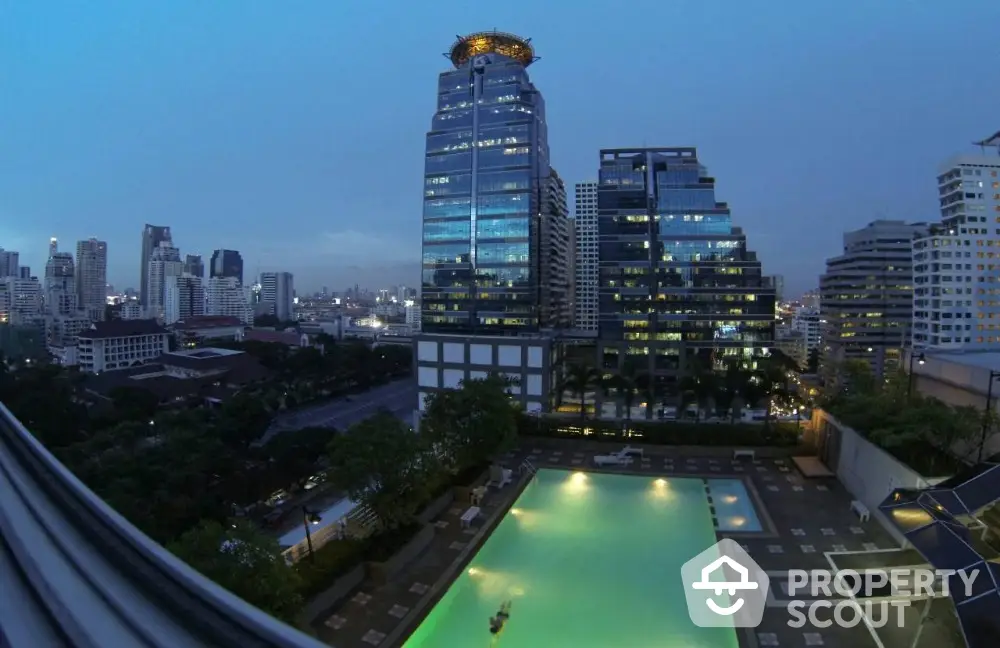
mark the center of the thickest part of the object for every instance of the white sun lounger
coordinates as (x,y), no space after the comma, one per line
(612,460)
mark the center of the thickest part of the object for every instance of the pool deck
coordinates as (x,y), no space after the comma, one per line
(804,519)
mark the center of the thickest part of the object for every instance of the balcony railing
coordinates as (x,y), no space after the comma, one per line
(75,573)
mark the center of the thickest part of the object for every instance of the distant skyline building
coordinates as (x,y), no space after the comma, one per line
(9,263)
(866,297)
(585,284)
(184,298)
(152,236)
(278,290)
(163,264)
(194,266)
(225,296)
(92,277)
(227,263)
(678,287)
(956,265)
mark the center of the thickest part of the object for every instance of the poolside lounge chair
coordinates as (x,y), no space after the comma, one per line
(617,459)
(499,476)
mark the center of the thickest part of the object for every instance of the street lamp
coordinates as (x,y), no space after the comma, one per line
(308,518)
(909,376)
(986,413)
(798,417)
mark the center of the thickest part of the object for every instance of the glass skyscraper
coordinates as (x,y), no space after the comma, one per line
(485,177)
(676,280)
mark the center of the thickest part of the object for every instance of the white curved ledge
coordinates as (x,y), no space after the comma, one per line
(75,573)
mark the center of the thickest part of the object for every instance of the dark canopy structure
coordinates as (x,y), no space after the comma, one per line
(941,523)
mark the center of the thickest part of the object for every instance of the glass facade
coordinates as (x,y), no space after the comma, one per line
(675,277)
(486,153)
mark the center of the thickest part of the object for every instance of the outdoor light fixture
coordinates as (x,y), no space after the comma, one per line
(310,517)
(921,358)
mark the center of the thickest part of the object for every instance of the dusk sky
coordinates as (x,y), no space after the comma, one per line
(294,131)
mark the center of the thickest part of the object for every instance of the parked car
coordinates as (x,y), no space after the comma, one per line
(277,498)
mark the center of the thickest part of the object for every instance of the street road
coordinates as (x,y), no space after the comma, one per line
(399,397)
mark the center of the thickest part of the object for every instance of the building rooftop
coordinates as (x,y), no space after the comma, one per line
(122,328)
(982,359)
(207,321)
(515,47)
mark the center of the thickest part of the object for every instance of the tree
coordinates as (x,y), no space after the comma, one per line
(579,379)
(382,463)
(293,454)
(244,419)
(812,364)
(246,562)
(134,403)
(469,425)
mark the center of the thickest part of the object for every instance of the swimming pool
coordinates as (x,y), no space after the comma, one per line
(590,560)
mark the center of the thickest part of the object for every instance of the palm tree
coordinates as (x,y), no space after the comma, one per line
(699,386)
(580,379)
(735,386)
(773,379)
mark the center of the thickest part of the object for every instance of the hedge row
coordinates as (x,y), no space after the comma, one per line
(662,432)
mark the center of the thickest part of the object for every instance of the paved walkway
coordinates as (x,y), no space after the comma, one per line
(807,523)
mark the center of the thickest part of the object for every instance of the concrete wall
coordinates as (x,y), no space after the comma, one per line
(867,471)
(444,361)
(961,380)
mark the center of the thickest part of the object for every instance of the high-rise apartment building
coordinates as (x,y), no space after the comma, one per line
(21,301)
(163,264)
(225,296)
(956,265)
(184,298)
(866,297)
(556,256)
(227,263)
(585,225)
(491,202)
(152,236)
(60,282)
(92,277)
(9,263)
(194,266)
(277,289)
(677,284)
(63,318)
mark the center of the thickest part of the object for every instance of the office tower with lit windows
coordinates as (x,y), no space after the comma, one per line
(486,165)
(956,265)
(866,297)
(494,225)
(678,287)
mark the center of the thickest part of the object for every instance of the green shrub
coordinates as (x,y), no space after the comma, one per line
(329,562)
(662,432)
(468,476)
(381,547)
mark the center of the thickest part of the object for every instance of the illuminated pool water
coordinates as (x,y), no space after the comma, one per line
(590,561)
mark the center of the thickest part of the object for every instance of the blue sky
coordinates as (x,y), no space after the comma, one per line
(294,131)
